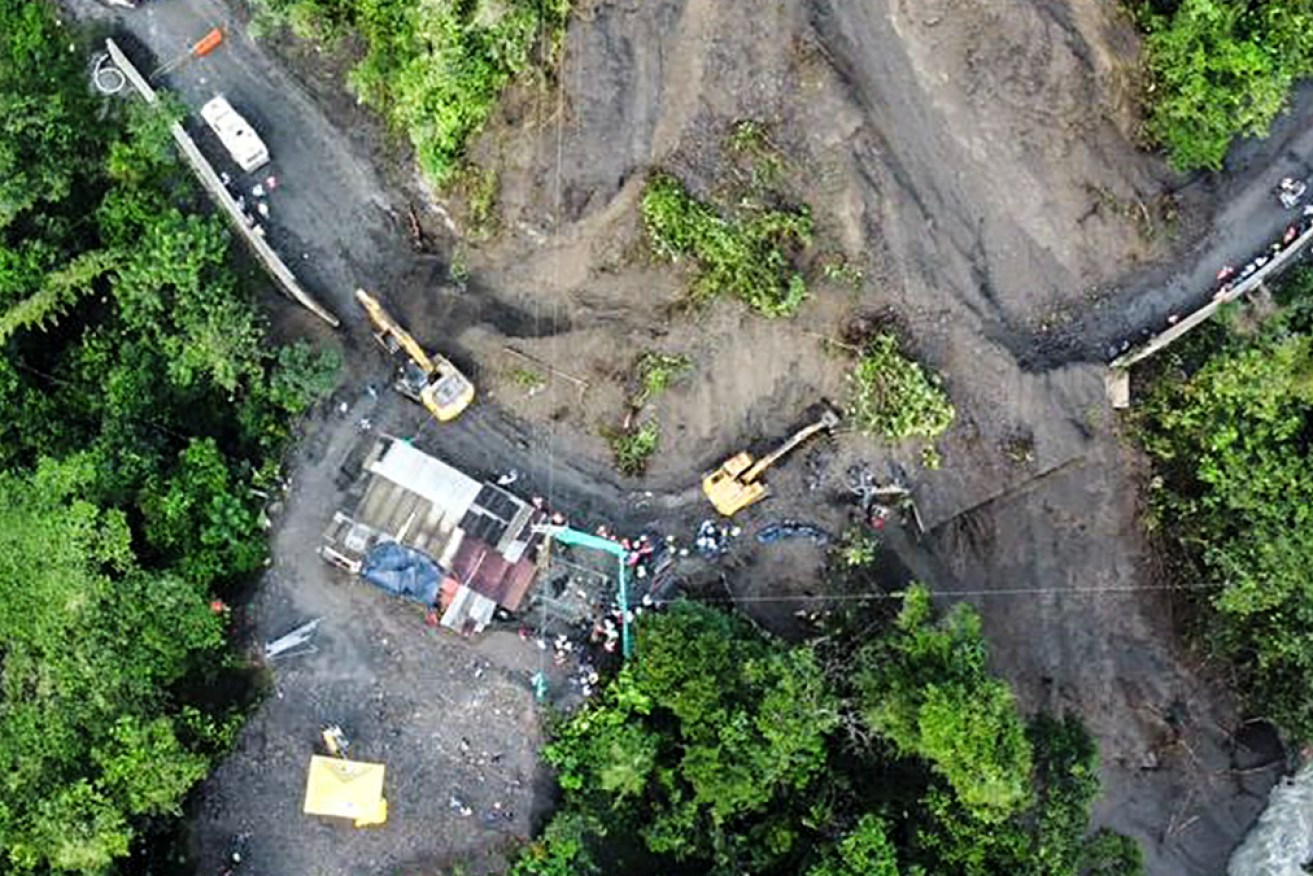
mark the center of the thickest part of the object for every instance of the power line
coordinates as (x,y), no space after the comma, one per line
(883,595)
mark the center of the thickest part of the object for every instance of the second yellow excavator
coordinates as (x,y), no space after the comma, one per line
(427,378)
(737,483)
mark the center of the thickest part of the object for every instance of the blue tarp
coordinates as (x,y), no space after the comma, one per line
(403,571)
(793,529)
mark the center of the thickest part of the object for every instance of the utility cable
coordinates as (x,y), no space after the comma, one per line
(883,595)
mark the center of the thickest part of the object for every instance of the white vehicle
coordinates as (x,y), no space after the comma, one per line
(238,137)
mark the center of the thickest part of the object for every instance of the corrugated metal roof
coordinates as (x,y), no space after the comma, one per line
(444,486)
(467,611)
(479,532)
(490,574)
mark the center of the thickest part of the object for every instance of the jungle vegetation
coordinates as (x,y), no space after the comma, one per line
(144,413)
(1218,69)
(873,751)
(1229,424)
(434,70)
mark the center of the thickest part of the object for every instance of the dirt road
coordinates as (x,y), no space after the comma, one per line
(974,160)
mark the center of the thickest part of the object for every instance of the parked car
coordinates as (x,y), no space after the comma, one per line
(236,135)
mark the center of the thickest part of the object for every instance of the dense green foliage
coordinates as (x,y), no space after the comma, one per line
(141,408)
(892,397)
(720,750)
(1231,444)
(926,689)
(1219,68)
(434,69)
(632,448)
(749,255)
(88,736)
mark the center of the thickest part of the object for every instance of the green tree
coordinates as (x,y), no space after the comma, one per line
(865,851)
(927,690)
(91,645)
(712,726)
(1230,444)
(41,154)
(199,521)
(139,396)
(435,70)
(719,750)
(1221,68)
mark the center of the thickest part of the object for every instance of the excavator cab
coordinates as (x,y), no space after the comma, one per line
(447,392)
(737,483)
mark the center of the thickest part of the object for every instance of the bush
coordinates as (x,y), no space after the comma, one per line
(1221,68)
(655,373)
(748,257)
(633,448)
(434,69)
(891,396)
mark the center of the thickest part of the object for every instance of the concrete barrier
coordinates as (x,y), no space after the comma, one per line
(1118,379)
(205,172)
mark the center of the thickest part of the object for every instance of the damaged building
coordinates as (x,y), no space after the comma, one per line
(421,529)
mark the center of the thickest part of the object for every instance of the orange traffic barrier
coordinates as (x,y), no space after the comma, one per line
(207,43)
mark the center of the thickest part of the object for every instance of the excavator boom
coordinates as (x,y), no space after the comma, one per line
(389,327)
(828,420)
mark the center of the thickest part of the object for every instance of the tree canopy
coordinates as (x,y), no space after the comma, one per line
(1229,434)
(434,70)
(722,750)
(1220,68)
(142,408)
(926,689)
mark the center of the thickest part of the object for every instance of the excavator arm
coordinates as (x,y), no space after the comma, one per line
(827,421)
(737,483)
(389,327)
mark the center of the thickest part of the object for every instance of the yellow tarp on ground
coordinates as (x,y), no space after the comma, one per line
(346,789)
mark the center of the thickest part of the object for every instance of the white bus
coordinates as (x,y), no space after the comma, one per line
(238,137)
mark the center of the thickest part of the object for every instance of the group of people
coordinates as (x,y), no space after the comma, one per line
(259,192)
(1289,191)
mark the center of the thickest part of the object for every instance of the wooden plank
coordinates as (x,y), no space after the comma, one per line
(1117,382)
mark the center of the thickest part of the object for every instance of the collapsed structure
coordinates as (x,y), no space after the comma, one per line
(426,531)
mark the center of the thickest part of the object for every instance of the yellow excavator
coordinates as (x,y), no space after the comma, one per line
(737,483)
(427,378)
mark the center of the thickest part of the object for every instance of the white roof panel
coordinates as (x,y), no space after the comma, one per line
(444,486)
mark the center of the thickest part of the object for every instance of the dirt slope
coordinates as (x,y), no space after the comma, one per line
(975,159)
